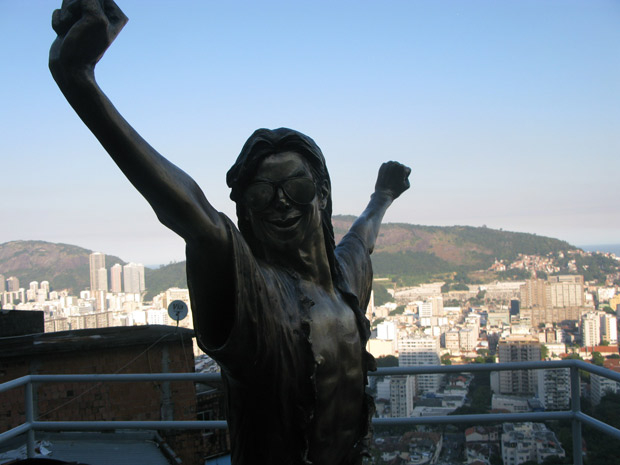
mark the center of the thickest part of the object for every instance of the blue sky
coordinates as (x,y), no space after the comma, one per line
(507,111)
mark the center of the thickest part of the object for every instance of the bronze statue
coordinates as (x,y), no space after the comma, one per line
(276,303)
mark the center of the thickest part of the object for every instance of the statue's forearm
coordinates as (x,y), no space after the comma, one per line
(368,224)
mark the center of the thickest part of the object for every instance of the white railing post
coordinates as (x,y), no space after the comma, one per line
(576,408)
(29,400)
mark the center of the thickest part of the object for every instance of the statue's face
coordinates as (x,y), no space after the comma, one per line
(283,202)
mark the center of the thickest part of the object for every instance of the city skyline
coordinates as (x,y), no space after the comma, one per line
(507,113)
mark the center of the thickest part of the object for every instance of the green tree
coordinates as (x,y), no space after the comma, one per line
(556,460)
(398,310)
(381,295)
(460,287)
(377,321)
(598,359)
(544,352)
(387,361)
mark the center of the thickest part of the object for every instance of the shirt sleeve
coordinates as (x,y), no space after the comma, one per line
(260,329)
(354,261)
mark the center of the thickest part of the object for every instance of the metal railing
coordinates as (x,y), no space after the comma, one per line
(575,414)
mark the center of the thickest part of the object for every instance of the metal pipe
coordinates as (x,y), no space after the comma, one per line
(472,368)
(113,425)
(474,419)
(124,378)
(29,401)
(575,392)
(10,434)
(604,427)
(14,383)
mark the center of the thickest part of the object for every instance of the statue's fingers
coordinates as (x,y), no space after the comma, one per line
(93,8)
(115,15)
(56,22)
(66,16)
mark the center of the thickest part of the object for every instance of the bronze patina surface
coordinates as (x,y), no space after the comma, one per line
(275,301)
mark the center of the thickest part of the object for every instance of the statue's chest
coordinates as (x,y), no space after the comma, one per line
(335,338)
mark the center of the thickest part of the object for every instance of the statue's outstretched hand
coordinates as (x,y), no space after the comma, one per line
(393,178)
(85,29)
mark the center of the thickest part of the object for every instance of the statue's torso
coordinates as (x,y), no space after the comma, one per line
(336,346)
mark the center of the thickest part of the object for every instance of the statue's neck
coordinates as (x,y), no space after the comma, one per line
(309,261)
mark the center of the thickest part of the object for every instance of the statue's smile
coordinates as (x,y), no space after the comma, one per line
(285,223)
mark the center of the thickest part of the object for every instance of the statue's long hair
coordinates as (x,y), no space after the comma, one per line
(260,145)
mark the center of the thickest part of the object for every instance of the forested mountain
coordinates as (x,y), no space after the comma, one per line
(410,252)
(420,252)
(63,265)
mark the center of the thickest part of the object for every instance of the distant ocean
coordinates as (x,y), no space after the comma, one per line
(610,248)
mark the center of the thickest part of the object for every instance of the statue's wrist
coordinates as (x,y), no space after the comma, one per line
(72,76)
(384,194)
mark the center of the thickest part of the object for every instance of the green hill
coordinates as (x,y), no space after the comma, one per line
(164,277)
(412,253)
(407,250)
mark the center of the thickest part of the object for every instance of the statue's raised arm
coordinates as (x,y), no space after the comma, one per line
(275,302)
(392,180)
(85,29)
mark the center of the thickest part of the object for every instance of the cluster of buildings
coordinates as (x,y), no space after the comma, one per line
(115,298)
(531,320)
(127,278)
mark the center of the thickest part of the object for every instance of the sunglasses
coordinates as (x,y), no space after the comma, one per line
(260,194)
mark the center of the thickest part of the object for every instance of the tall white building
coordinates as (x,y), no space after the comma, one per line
(518,348)
(468,339)
(43,292)
(566,291)
(102,280)
(453,341)
(421,350)
(133,278)
(425,309)
(402,390)
(31,292)
(609,328)
(97,262)
(553,388)
(437,305)
(599,386)
(590,329)
(386,330)
(116,278)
